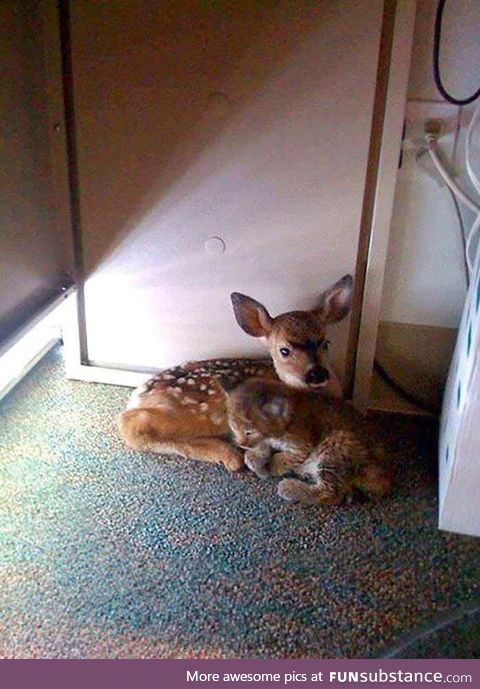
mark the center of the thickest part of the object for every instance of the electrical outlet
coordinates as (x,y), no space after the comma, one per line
(434,126)
(421,118)
(438,118)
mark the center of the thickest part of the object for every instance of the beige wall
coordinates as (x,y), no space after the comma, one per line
(424,280)
(275,166)
(34,248)
(460,58)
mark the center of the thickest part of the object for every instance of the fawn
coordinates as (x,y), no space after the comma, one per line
(183,409)
(322,440)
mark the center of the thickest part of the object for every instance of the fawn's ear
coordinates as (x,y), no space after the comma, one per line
(336,301)
(278,407)
(251,316)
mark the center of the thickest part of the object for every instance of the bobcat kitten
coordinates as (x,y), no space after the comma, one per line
(322,440)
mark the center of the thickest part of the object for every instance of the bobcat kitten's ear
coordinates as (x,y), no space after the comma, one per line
(278,407)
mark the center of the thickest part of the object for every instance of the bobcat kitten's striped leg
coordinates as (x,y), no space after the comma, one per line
(375,478)
(298,491)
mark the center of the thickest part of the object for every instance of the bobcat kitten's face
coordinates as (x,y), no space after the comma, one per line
(258,409)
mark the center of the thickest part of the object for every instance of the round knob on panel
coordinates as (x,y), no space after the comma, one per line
(215,246)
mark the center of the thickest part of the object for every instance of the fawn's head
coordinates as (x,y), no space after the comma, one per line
(297,340)
(258,409)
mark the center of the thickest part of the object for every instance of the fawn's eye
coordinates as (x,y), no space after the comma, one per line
(249,431)
(284,351)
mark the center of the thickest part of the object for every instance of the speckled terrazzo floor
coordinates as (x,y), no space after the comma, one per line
(107,553)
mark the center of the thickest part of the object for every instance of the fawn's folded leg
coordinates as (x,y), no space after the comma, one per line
(156,430)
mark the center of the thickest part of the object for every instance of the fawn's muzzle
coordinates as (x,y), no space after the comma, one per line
(317,375)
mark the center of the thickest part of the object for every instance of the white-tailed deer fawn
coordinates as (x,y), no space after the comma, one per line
(182,410)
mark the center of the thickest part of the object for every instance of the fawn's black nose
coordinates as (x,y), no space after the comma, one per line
(317,375)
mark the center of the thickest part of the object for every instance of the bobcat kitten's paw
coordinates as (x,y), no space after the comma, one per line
(257,463)
(288,489)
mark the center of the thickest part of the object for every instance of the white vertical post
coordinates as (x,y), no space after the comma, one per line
(384,196)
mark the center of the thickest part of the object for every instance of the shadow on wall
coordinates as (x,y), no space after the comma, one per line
(32,254)
(156,84)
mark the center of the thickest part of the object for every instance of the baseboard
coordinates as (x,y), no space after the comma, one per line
(108,376)
(76,370)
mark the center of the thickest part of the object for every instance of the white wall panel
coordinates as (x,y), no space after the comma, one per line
(276,168)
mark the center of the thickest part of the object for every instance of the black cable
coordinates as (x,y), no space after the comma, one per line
(437,35)
(400,390)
